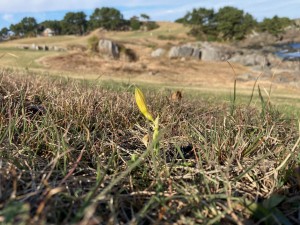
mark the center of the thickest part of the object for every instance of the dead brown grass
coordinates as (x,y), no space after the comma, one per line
(72,153)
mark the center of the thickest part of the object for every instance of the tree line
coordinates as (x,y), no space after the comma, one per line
(230,23)
(78,24)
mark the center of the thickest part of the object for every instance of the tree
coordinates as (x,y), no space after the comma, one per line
(275,25)
(17,29)
(135,23)
(54,25)
(145,16)
(4,33)
(202,22)
(27,27)
(74,23)
(233,23)
(108,18)
(228,23)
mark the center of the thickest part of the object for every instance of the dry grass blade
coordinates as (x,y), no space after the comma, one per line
(80,159)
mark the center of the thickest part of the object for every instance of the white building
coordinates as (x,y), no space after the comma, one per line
(48,32)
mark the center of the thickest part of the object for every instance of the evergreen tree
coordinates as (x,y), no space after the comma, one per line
(74,23)
(108,18)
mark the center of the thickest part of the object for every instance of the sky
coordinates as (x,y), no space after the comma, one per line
(12,11)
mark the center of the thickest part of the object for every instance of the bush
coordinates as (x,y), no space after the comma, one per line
(166,37)
(275,25)
(93,43)
(151,25)
(135,24)
(130,55)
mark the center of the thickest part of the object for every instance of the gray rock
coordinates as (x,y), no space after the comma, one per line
(251,59)
(158,53)
(59,49)
(214,53)
(109,48)
(184,52)
(33,47)
(44,48)
(197,54)
(25,47)
(210,54)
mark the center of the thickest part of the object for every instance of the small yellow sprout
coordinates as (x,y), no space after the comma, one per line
(141,103)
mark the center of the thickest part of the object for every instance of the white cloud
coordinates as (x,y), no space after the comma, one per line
(17,6)
(8,17)
(157,9)
(20,6)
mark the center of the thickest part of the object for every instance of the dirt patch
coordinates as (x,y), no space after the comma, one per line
(185,72)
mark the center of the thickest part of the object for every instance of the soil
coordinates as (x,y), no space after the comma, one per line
(163,70)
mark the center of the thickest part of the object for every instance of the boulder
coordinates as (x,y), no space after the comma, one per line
(158,53)
(197,53)
(184,52)
(109,48)
(25,47)
(202,50)
(257,40)
(59,49)
(45,48)
(212,52)
(251,59)
(34,47)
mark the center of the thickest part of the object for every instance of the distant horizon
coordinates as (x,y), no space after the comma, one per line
(13,11)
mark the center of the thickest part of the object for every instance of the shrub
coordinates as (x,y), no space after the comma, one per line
(151,25)
(166,37)
(135,24)
(93,43)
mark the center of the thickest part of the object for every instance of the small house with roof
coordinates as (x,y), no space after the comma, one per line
(48,32)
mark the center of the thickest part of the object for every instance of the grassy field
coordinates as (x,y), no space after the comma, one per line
(13,57)
(80,152)
(285,101)
(75,149)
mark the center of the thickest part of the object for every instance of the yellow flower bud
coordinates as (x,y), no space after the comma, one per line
(141,103)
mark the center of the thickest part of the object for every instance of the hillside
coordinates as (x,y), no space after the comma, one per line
(77,62)
(89,139)
(165,28)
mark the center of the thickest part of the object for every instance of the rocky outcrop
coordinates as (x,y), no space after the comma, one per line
(41,48)
(184,52)
(109,48)
(34,47)
(252,59)
(201,50)
(256,59)
(211,52)
(257,40)
(158,53)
